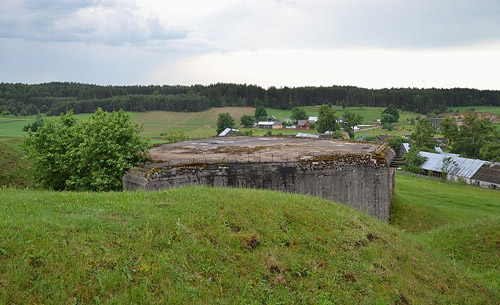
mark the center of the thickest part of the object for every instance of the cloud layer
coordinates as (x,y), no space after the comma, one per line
(373,43)
(90,21)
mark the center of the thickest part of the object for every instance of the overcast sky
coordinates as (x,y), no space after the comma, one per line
(367,43)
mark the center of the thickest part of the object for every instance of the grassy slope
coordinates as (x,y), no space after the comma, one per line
(211,245)
(13,165)
(369,113)
(490,109)
(194,124)
(460,221)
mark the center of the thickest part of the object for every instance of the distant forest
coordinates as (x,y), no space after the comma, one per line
(57,97)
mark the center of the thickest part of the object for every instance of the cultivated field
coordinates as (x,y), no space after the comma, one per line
(233,246)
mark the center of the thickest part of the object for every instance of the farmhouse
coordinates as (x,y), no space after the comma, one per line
(312,119)
(265,124)
(277,125)
(455,168)
(435,122)
(302,124)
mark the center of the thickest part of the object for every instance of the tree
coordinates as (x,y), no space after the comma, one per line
(390,115)
(424,135)
(396,142)
(491,151)
(326,120)
(246,120)
(93,155)
(413,160)
(299,113)
(260,113)
(473,134)
(224,121)
(449,129)
(350,120)
(448,165)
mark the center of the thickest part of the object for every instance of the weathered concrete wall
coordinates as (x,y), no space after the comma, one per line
(366,185)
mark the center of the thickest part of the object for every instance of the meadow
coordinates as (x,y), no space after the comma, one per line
(203,124)
(489,109)
(231,246)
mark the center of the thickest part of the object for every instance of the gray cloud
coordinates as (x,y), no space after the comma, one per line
(90,21)
(360,23)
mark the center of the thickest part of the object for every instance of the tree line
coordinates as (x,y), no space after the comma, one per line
(57,97)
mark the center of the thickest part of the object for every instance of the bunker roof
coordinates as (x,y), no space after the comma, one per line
(257,149)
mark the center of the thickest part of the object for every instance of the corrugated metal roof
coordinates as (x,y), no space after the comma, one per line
(406,146)
(226,131)
(307,135)
(266,123)
(462,167)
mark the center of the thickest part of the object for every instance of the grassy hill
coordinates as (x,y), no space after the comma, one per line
(13,165)
(460,221)
(230,246)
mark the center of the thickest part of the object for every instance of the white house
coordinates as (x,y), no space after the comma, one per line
(265,124)
(312,119)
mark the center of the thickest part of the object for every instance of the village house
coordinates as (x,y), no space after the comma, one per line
(435,122)
(302,124)
(312,119)
(277,125)
(265,124)
(455,168)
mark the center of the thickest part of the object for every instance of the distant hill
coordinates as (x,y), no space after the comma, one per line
(203,245)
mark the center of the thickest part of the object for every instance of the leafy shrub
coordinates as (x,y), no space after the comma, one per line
(174,137)
(413,160)
(68,154)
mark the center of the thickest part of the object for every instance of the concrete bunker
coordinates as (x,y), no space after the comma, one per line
(357,174)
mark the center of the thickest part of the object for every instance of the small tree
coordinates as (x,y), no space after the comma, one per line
(299,113)
(424,135)
(396,142)
(448,165)
(85,155)
(246,120)
(224,121)
(260,113)
(413,160)
(351,119)
(393,112)
(326,120)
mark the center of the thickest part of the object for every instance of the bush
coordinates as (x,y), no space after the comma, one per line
(413,160)
(68,154)
(174,137)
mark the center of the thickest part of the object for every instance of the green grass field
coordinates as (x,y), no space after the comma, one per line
(195,124)
(232,246)
(369,114)
(460,221)
(489,109)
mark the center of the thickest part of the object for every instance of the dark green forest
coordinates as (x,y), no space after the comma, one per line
(57,97)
